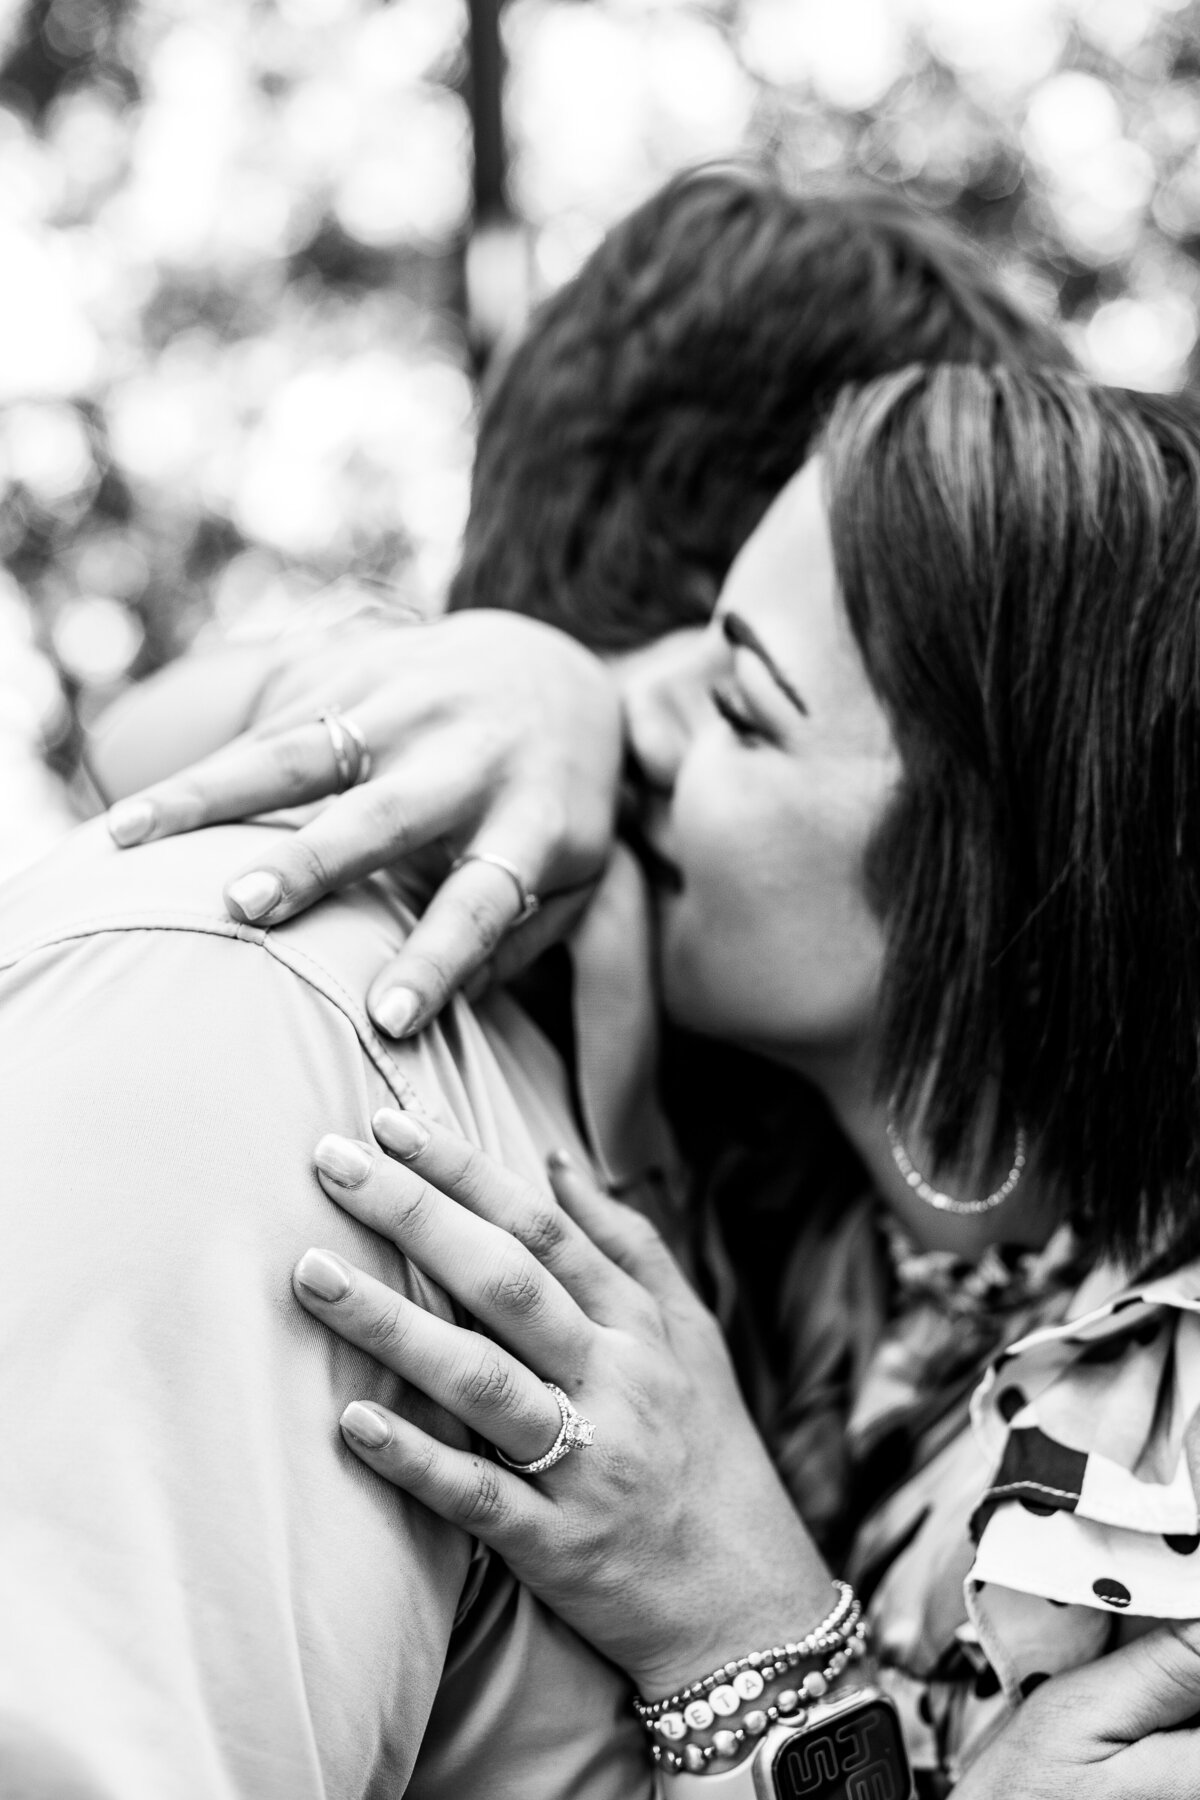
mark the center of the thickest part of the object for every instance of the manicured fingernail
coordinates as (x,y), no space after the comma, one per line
(323,1275)
(255,895)
(560,1162)
(400,1133)
(365,1424)
(396,1011)
(342,1160)
(129,821)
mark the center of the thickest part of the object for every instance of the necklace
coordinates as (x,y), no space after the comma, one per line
(946,1202)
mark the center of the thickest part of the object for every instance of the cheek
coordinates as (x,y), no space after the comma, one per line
(771,941)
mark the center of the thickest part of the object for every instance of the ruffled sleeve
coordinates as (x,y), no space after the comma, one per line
(1092,1430)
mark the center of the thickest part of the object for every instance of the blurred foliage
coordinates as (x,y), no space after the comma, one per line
(243,306)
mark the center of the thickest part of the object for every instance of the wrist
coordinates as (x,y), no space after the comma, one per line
(717,1717)
(719,1632)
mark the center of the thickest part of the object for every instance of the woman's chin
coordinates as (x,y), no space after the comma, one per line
(695,994)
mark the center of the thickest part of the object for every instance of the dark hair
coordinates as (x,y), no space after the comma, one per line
(1020,561)
(662,398)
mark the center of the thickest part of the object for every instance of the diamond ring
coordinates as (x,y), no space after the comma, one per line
(575,1433)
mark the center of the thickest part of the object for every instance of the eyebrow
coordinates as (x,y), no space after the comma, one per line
(741,636)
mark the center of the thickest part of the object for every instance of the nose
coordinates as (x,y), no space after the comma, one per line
(664,690)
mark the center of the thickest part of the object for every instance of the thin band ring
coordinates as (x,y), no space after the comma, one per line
(363,772)
(575,1433)
(528,899)
(351,757)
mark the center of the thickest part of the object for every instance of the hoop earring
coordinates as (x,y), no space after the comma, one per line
(947,1203)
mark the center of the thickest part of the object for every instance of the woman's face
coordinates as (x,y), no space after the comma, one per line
(781,775)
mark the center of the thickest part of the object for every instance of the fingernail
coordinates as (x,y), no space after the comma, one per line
(342,1160)
(323,1275)
(560,1162)
(129,821)
(256,894)
(400,1133)
(396,1011)
(365,1424)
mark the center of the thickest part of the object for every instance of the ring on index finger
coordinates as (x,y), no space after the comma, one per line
(351,756)
(528,899)
(575,1433)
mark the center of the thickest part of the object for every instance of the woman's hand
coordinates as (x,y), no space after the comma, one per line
(1107,1731)
(669,1541)
(488,733)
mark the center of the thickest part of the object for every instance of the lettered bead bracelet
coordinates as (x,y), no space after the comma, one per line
(719,1697)
(790,1704)
(833,1631)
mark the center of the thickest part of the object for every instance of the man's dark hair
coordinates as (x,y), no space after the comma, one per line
(662,398)
(1020,561)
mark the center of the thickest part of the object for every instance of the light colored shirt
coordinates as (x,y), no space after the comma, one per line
(203,1594)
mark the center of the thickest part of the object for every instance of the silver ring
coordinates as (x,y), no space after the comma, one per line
(351,756)
(575,1433)
(529,900)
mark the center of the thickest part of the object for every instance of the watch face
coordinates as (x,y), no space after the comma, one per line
(856,1755)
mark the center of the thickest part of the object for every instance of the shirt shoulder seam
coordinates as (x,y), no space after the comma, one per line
(306,968)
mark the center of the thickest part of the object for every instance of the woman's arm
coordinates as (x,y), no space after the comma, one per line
(493,737)
(668,1541)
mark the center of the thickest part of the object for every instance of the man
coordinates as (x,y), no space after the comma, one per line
(204,1596)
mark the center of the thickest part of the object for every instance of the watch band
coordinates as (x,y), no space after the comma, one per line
(855,1749)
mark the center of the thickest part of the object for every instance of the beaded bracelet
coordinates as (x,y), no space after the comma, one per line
(831,1633)
(788,1704)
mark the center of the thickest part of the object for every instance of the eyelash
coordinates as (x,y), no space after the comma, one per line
(743,728)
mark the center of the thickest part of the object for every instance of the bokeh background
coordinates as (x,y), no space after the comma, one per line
(255,256)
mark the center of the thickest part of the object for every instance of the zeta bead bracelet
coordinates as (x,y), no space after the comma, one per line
(725,1691)
(829,1634)
(789,1705)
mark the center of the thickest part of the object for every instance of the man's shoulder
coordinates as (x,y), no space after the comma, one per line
(87,889)
(86,886)
(493,1077)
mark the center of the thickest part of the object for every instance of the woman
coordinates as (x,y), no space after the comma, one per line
(933,848)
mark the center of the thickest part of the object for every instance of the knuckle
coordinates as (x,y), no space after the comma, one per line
(471,1174)
(483,1500)
(543,1234)
(480,918)
(386,1330)
(406,1212)
(487,1384)
(185,799)
(515,1288)
(634,1232)
(307,864)
(384,815)
(645,1319)
(291,764)
(547,820)
(425,1461)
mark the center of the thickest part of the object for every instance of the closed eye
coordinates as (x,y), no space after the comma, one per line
(742,726)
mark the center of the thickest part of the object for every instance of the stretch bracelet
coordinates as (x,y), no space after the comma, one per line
(831,1633)
(680,1758)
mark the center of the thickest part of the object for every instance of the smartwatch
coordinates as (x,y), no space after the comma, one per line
(848,1748)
